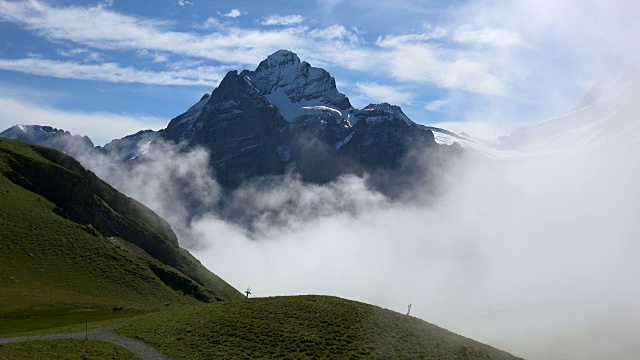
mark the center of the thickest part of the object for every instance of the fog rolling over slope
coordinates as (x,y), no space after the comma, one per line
(532,248)
(533,252)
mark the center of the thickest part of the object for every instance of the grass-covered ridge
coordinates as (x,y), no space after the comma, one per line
(64,350)
(300,327)
(72,247)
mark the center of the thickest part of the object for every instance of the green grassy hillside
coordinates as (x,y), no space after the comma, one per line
(64,350)
(300,327)
(73,249)
(70,243)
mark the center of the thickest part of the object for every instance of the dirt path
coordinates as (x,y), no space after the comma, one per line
(142,350)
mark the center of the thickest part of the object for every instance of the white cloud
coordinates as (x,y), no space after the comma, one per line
(211,22)
(101,127)
(422,58)
(86,54)
(184,3)
(390,41)
(331,45)
(546,242)
(112,72)
(485,130)
(511,49)
(336,33)
(449,69)
(102,28)
(383,93)
(437,105)
(282,20)
(234,13)
(156,57)
(565,42)
(488,36)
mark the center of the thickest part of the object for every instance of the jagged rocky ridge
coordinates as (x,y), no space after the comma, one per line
(285,116)
(50,137)
(288,115)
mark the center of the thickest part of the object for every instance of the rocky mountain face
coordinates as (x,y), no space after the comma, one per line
(50,137)
(287,114)
(129,147)
(238,126)
(81,147)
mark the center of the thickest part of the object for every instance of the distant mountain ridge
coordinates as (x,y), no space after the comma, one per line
(48,136)
(606,116)
(288,116)
(285,115)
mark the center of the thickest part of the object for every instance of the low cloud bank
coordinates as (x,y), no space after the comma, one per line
(533,255)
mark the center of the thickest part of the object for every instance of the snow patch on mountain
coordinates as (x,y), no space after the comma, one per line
(344,141)
(194,112)
(292,111)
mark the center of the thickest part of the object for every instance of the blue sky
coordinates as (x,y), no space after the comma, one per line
(109,68)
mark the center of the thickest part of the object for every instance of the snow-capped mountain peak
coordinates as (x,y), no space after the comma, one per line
(295,87)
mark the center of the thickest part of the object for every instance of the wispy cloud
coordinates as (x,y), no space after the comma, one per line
(337,32)
(85,54)
(383,93)
(156,57)
(110,30)
(234,13)
(282,20)
(211,22)
(113,72)
(437,105)
(488,36)
(389,41)
(425,63)
(408,58)
(184,3)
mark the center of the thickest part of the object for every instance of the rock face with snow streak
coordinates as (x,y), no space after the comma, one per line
(287,114)
(283,75)
(129,147)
